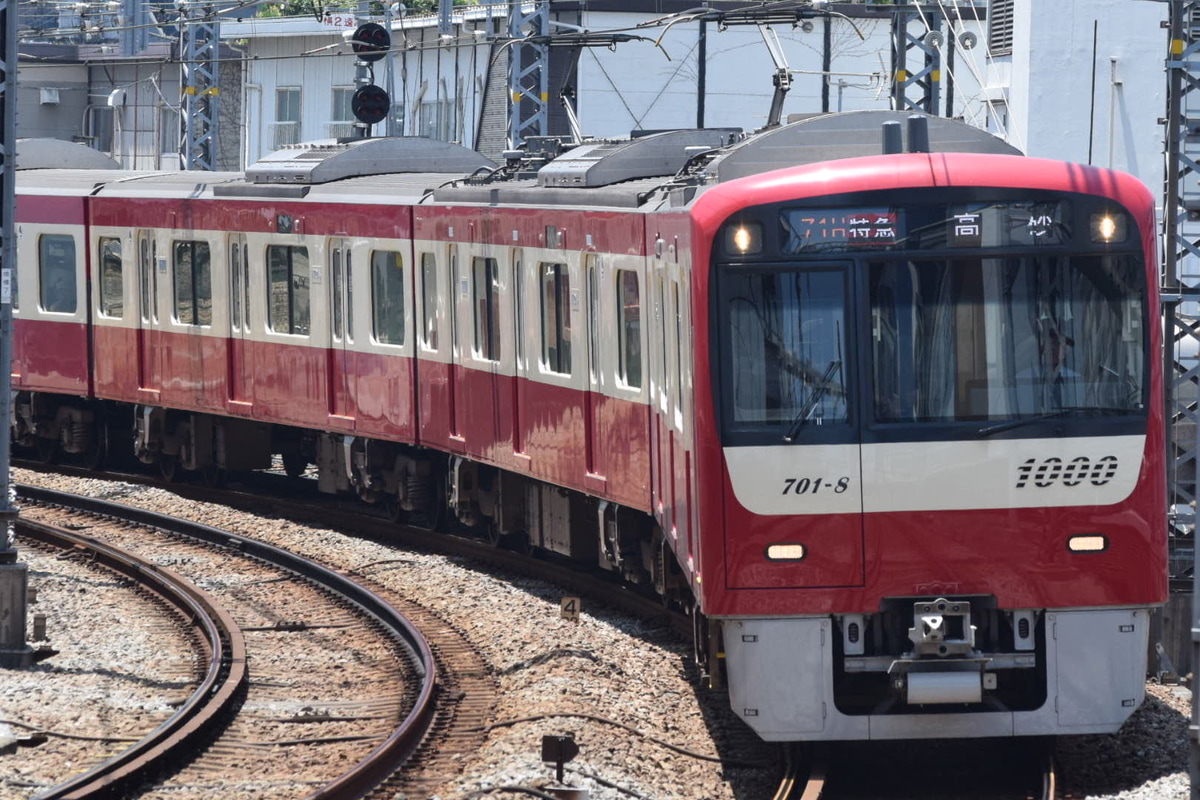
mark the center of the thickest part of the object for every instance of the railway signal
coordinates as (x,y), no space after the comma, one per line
(370,104)
(370,41)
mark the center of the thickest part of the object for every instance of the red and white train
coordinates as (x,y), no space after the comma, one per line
(889,423)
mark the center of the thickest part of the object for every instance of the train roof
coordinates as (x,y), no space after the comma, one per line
(660,168)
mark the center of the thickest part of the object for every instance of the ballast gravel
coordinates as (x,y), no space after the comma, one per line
(624,688)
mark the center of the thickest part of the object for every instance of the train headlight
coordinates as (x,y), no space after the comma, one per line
(1088,543)
(1109,228)
(786,551)
(743,238)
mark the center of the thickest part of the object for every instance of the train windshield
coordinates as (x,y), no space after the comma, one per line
(787,334)
(1006,337)
(945,339)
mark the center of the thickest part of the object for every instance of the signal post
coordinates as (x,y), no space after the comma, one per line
(14,576)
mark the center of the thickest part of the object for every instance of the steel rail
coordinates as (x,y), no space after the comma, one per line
(791,786)
(204,709)
(385,759)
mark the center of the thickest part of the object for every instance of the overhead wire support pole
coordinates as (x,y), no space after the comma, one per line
(918,88)
(1181,316)
(199,39)
(528,71)
(14,575)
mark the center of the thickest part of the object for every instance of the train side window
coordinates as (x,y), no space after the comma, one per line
(629,329)
(235,279)
(678,376)
(56,273)
(387,296)
(146,276)
(556,318)
(347,255)
(429,319)
(112,287)
(335,286)
(487,308)
(288,286)
(593,288)
(518,266)
(193,283)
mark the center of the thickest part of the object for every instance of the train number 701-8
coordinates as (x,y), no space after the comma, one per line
(814,485)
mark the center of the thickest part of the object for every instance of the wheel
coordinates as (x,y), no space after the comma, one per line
(294,463)
(395,511)
(169,466)
(97,456)
(48,450)
(212,476)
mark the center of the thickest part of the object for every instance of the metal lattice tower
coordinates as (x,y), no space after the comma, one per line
(200,36)
(528,72)
(1181,279)
(1181,315)
(913,34)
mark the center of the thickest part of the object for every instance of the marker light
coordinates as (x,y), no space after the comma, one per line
(1108,228)
(743,238)
(791,551)
(1088,543)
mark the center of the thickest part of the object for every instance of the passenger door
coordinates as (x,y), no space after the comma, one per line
(239,353)
(340,365)
(148,356)
(594,398)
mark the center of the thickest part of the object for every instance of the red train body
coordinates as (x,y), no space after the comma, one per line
(890,425)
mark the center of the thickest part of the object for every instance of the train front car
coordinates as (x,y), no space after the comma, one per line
(939,479)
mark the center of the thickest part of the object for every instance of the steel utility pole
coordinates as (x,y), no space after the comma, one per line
(1181,318)
(14,576)
(200,38)
(917,88)
(528,72)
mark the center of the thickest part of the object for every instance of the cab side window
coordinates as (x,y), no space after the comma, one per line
(56,273)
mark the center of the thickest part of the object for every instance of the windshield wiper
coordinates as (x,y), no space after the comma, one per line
(1062,411)
(810,405)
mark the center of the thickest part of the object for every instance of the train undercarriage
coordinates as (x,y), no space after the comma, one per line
(418,486)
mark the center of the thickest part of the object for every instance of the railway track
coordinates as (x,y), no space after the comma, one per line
(207,722)
(812,773)
(457,729)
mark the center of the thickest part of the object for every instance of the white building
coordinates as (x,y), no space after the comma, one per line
(1066,79)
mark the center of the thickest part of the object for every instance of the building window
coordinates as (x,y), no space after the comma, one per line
(429,326)
(556,318)
(112,288)
(387,296)
(287,282)
(1000,27)
(100,123)
(170,135)
(629,329)
(193,283)
(287,116)
(487,308)
(56,273)
(341,117)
